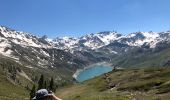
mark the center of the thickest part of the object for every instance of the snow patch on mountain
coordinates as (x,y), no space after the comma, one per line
(21,38)
(89,41)
(108,37)
(99,40)
(140,38)
(5,47)
(65,42)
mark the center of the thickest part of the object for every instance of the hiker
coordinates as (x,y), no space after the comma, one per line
(43,94)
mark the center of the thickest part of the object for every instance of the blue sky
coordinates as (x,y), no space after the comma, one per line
(78,17)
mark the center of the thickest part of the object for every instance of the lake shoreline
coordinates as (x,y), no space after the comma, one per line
(78,71)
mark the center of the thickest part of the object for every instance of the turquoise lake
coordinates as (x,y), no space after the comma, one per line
(92,71)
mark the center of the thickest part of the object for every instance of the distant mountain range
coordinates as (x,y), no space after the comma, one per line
(91,41)
(67,54)
(45,55)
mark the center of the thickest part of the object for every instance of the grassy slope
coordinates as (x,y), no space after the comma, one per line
(9,91)
(143,84)
(137,58)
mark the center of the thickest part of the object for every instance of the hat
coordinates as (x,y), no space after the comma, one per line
(41,93)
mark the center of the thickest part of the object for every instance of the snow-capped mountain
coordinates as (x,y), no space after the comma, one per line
(67,54)
(22,38)
(98,40)
(107,37)
(91,41)
(71,53)
(65,42)
(42,52)
(141,38)
(9,38)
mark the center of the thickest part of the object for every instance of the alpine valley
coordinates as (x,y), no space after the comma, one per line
(24,57)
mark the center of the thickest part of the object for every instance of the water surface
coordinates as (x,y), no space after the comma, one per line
(92,71)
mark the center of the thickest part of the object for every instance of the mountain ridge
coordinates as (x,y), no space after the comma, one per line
(15,44)
(90,41)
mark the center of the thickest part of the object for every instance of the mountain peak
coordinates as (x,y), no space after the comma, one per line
(89,41)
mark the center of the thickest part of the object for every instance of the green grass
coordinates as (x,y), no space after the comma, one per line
(142,84)
(10,91)
(17,89)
